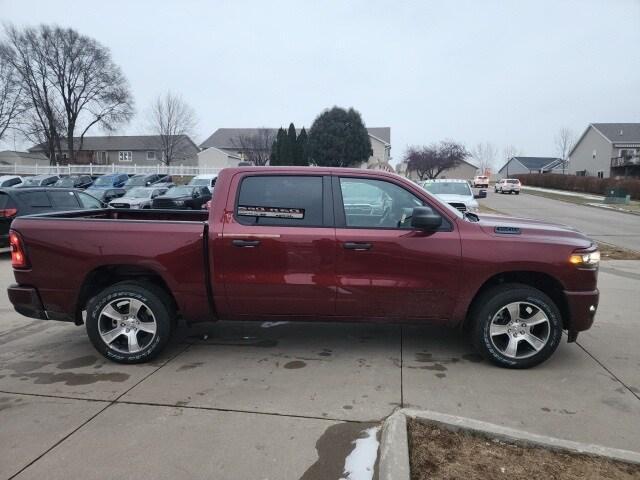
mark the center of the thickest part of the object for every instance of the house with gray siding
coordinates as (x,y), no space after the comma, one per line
(518,165)
(230,140)
(127,150)
(607,150)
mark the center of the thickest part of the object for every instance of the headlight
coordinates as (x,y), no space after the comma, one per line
(473,208)
(585,259)
(179,202)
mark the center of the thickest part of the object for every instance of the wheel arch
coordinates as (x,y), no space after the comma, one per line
(106,275)
(544,282)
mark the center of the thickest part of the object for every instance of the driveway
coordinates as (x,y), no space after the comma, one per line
(617,228)
(285,401)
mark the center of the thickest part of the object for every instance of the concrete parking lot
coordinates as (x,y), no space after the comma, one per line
(285,401)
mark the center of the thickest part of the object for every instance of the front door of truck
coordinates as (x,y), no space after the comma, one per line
(384,268)
(279,246)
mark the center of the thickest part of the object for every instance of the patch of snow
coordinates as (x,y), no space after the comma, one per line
(360,463)
(272,324)
(565,192)
(611,207)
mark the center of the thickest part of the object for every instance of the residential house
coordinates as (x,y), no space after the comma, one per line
(11,157)
(607,150)
(465,170)
(517,165)
(233,140)
(213,157)
(127,150)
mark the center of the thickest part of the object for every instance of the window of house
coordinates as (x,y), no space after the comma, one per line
(593,154)
(101,157)
(151,155)
(600,174)
(285,200)
(124,156)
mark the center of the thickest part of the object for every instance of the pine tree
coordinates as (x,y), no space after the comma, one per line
(278,154)
(302,157)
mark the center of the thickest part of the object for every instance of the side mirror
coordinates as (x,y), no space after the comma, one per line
(424,218)
(481,194)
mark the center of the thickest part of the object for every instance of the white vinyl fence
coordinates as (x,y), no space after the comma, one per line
(91,169)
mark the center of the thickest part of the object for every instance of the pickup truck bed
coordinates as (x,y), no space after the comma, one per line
(307,244)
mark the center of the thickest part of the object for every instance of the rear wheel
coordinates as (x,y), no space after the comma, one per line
(130,322)
(516,326)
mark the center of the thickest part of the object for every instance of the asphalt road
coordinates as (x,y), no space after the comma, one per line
(615,228)
(286,401)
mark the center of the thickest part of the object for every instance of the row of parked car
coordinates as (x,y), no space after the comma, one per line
(50,193)
(458,192)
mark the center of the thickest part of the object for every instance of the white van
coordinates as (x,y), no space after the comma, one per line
(207,180)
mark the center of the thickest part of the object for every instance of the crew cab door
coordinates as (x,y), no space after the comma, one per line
(384,268)
(278,244)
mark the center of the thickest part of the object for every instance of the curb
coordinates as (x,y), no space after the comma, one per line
(394,446)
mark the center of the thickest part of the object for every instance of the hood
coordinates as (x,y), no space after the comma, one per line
(505,226)
(448,197)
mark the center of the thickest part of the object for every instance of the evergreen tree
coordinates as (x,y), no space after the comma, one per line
(278,153)
(338,138)
(302,157)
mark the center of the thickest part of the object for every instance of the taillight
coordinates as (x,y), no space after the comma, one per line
(8,212)
(18,254)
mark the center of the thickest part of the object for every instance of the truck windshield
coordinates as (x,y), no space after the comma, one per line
(65,182)
(139,192)
(141,180)
(180,192)
(448,188)
(104,181)
(200,182)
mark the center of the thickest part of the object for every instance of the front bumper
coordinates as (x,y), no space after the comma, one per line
(582,310)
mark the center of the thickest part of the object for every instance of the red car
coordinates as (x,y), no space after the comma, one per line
(303,244)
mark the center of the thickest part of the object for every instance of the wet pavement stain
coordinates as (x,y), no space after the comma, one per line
(295,364)
(333,447)
(190,366)
(80,362)
(563,411)
(347,407)
(441,375)
(26,366)
(73,379)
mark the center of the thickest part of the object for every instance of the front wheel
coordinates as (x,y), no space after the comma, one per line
(130,322)
(516,326)
(517,193)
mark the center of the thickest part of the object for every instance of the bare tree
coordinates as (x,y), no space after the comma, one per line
(255,147)
(430,161)
(565,140)
(485,155)
(173,120)
(69,83)
(11,104)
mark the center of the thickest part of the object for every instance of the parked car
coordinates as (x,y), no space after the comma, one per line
(207,180)
(74,181)
(18,202)
(280,242)
(456,193)
(111,180)
(508,185)
(39,181)
(10,181)
(184,197)
(481,181)
(106,194)
(143,180)
(138,197)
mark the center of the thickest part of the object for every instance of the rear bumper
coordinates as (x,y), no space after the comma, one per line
(26,301)
(582,309)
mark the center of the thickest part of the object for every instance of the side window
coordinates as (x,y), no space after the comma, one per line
(64,200)
(88,201)
(280,200)
(372,203)
(35,199)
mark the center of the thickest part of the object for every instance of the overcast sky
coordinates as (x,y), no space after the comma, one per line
(504,72)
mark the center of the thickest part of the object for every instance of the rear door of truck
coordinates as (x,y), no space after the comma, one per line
(277,252)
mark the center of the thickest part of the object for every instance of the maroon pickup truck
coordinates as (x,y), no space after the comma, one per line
(307,244)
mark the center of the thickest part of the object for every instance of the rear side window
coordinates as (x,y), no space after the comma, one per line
(280,200)
(64,199)
(35,199)
(6,201)
(88,201)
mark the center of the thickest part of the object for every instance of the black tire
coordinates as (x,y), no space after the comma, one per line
(155,300)
(492,302)
(517,193)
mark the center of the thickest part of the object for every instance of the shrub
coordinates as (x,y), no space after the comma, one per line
(574,183)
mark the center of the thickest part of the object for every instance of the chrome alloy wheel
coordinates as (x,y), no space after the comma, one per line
(127,325)
(519,330)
